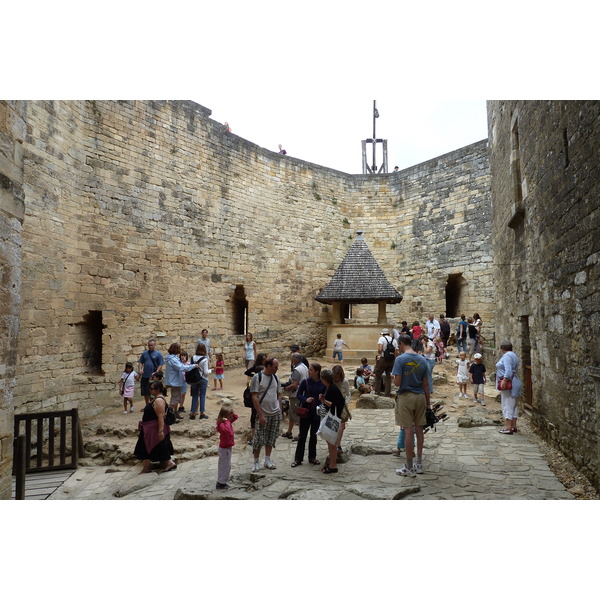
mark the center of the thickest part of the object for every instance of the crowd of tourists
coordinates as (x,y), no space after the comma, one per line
(314,399)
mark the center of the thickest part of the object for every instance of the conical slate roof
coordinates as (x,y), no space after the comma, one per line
(359,279)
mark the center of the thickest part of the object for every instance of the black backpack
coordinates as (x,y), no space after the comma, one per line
(445,327)
(390,351)
(193,375)
(248,396)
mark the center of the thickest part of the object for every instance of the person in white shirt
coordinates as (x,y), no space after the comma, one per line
(433,327)
(387,349)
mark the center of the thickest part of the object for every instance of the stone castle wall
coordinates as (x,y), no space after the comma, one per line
(12,134)
(545,189)
(143,218)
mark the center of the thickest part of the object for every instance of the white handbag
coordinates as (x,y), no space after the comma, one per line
(329,428)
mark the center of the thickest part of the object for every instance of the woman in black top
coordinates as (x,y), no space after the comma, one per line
(154,443)
(333,399)
(258,366)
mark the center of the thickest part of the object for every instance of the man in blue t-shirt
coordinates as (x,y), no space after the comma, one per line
(151,361)
(410,375)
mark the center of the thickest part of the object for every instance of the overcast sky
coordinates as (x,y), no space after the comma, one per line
(305,75)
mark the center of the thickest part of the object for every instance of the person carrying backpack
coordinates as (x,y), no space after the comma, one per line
(387,348)
(444,330)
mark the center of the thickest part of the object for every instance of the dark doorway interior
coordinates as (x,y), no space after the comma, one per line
(454,287)
(240,311)
(90,337)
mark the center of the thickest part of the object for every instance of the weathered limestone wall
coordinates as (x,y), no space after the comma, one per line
(142,219)
(12,134)
(426,223)
(545,189)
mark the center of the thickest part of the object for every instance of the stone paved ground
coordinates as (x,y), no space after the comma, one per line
(460,463)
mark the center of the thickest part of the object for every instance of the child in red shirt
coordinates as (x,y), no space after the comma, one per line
(219,370)
(225,422)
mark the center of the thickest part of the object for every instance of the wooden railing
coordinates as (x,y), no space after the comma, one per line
(45,445)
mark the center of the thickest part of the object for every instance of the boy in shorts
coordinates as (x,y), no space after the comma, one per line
(337,348)
(477,378)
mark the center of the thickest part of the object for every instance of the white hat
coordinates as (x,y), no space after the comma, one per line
(384,331)
(477,355)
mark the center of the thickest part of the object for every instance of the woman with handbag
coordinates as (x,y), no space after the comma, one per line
(154,442)
(335,402)
(509,386)
(309,391)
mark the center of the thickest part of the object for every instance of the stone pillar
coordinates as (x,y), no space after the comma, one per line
(336,313)
(382,312)
(12,209)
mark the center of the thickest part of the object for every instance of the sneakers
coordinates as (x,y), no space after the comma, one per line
(256,468)
(475,400)
(483,403)
(131,409)
(203,416)
(125,413)
(222,486)
(269,464)
(418,468)
(406,472)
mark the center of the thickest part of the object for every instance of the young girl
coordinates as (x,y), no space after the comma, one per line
(185,359)
(367,369)
(462,374)
(359,382)
(219,370)
(128,379)
(225,422)
(440,346)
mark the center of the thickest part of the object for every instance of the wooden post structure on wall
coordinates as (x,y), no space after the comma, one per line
(374,140)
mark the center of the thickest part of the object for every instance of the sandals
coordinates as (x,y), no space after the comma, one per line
(515,430)
(296,464)
(327,470)
(314,461)
(506,431)
(295,438)
(287,435)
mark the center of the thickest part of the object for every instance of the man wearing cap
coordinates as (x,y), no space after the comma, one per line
(387,348)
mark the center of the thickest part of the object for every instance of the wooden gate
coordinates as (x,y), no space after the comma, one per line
(45,442)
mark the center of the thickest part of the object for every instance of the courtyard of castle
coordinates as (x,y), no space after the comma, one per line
(465,458)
